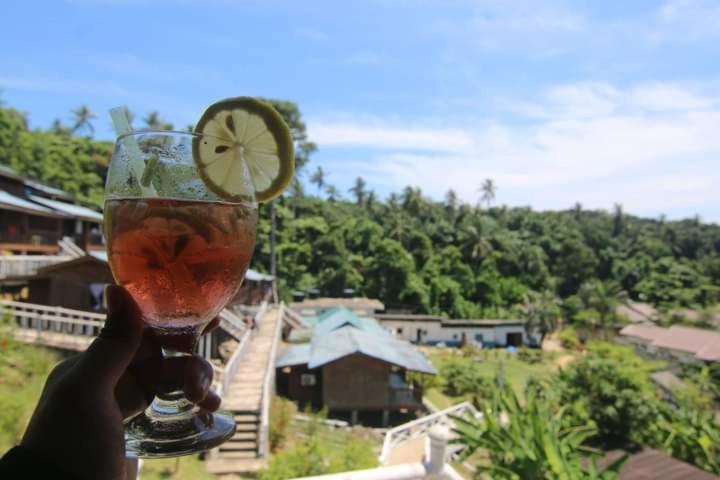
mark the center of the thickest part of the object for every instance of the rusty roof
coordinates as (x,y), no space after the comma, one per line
(703,343)
(649,464)
(637,312)
(351,303)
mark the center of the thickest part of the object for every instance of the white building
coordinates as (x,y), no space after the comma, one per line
(428,329)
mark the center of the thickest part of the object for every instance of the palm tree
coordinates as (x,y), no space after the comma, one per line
(541,312)
(488,189)
(451,201)
(333,193)
(58,128)
(618,220)
(371,201)
(154,122)
(82,117)
(318,178)
(602,299)
(358,190)
(475,239)
(412,200)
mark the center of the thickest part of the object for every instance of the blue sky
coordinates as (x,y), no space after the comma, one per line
(559,102)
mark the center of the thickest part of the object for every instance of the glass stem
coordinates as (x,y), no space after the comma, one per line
(172,403)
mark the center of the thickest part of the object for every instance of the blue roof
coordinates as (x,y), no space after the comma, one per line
(69,208)
(339,317)
(17,202)
(99,254)
(348,341)
(293,355)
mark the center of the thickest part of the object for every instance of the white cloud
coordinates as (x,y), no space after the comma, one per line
(61,86)
(650,147)
(347,134)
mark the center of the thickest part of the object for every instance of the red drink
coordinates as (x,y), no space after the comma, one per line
(181,260)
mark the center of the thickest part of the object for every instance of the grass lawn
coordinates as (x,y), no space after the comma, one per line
(183,468)
(23,370)
(488,362)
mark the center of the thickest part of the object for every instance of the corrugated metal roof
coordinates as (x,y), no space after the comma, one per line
(293,355)
(12,201)
(339,317)
(47,189)
(255,276)
(349,340)
(99,254)
(701,342)
(69,208)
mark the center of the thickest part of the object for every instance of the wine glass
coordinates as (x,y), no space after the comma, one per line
(182,253)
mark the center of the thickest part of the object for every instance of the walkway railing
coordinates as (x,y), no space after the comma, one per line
(422,426)
(269,387)
(21,265)
(433,467)
(228,372)
(53,319)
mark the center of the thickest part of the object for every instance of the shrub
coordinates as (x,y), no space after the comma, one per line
(282,413)
(569,338)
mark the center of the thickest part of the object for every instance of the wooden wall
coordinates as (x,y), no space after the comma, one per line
(356,382)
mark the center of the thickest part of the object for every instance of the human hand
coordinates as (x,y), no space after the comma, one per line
(78,422)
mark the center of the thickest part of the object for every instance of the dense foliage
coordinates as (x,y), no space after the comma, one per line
(444,257)
(529,440)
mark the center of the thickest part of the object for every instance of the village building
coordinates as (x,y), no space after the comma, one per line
(35,217)
(79,283)
(679,344)
(432,330)
(352,366)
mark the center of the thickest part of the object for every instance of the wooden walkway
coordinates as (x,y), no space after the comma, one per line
(62,341)
(244,398)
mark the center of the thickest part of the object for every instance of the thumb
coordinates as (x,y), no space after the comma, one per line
(107,358)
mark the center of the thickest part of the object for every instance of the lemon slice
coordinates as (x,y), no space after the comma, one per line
(248,147)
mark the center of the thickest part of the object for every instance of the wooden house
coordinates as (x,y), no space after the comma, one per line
(352,365)
(34,217)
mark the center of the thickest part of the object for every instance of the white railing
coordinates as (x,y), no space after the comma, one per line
(53,319)
(269,388)
(433,467)
(21,265)
(421,426)
(294,319)
(232,324)
(234,362)
(69,246)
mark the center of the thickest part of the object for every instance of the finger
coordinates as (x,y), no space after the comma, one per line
(109,355)
(211,402)
(130,398)
(214,323)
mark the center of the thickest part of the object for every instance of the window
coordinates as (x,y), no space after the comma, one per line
(399,331)
(307,380)
(454,336)
(479,337)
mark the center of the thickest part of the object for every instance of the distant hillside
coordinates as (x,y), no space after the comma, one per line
(426,256)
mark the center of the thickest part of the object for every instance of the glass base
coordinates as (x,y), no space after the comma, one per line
(172,428)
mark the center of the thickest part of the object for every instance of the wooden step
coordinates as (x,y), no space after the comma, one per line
(244,435)
(245,417)
(239,446)
(246,428)
(241,455)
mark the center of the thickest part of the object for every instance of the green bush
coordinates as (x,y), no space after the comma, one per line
(282,412)
(612,390)
(530,355)
(569,338)
(461,377)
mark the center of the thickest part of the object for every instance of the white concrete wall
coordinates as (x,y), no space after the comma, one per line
(437,333)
